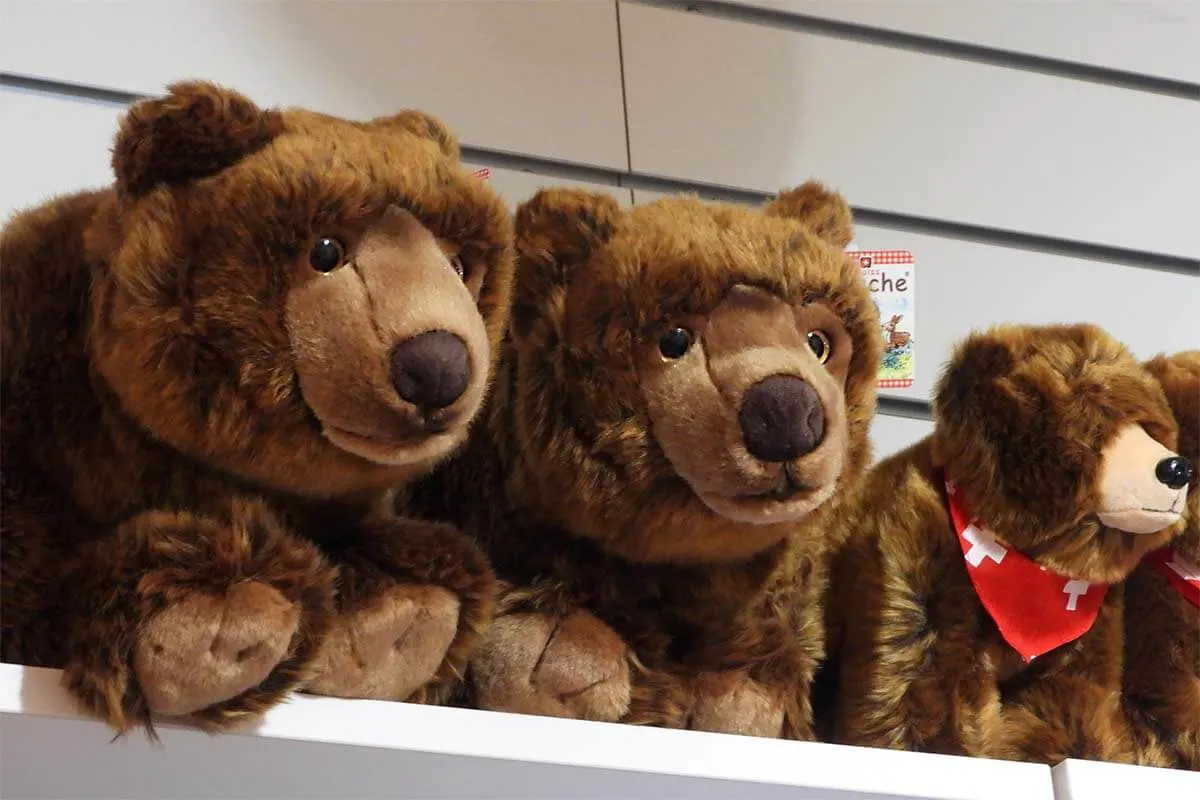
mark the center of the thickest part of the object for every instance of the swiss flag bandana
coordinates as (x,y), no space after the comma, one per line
(1035,610)
(1183,576)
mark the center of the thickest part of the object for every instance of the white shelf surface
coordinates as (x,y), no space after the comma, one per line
(325,747)
(1075,779)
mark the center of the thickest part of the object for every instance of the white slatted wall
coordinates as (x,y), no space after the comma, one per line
(1040,158)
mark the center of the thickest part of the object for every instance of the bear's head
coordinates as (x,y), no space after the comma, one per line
(1179,375)
(688,380)
(1064,445)
(307,302)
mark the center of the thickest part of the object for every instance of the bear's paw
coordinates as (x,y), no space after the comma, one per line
(389,648)
(204,648)
(733,702)
(570,666)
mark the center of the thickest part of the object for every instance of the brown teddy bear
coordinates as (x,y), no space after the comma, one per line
(685,388)
(1162,603)
(977,600)
(213,372)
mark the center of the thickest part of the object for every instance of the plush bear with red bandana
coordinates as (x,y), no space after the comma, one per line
(977,607)
(1162,604)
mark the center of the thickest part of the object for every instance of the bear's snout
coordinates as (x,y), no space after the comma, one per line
(1143,485)
(781,419)
(431,370)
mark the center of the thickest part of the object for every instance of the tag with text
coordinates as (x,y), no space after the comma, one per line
(889,276)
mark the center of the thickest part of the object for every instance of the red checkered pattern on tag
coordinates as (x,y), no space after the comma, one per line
(883,257)
(483,173)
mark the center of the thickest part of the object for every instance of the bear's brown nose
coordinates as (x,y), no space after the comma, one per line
(781,419)
(431,369)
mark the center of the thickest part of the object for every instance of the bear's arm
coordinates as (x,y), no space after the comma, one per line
(167,612)
(37,527)
(913,672)
(808,631)
(1162,670)
(412,597)
(546,653)
(1070,706)
(772,656)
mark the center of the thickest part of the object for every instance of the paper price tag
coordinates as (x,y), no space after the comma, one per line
(889,276)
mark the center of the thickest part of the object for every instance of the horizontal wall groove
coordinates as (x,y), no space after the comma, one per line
(640,181)
(74,91)
(905,407)
(965,51)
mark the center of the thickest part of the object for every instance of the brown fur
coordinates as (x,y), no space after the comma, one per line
(185,518)
(1021,417)
(1162,629)
(611,486)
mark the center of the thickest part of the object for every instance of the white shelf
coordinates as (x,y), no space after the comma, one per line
(1096,780)
(324,747)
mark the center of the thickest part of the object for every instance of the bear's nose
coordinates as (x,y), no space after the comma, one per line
(1175,472)
(431,369)
(781,419)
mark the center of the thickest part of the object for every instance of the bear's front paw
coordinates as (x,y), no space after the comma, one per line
(390,647)
(205,648)
(570,666)
(1065,717)
(180,613)
(733,702)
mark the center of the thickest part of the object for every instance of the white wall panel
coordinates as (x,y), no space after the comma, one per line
(59,144)
(891,434)
(539,77)
(1151,37)
(963,285)
(516,186)
(739,104)
(52,145)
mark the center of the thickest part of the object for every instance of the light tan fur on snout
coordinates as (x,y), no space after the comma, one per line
(693,403)
(398,283)
(1132,498)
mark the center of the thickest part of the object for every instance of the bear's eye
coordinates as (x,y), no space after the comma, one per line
(326,254)
(818,342)
(459,269)
(675,343)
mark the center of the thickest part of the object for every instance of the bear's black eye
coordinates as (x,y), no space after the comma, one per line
(675,343)
(326,254)
(456,262)
(818,342)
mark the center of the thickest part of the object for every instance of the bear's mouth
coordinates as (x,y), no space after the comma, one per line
(787,486)
(423,446)
(1139,521)
(419,441)
(789,499)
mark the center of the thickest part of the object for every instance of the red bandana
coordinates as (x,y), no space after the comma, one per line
(1183,576)
(1035,610)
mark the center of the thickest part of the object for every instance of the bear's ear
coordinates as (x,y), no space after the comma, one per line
(1179,376)
(557,230)
(826,213)
(197,129)
(973,394)
(971,372)
(425,126)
